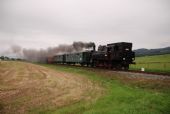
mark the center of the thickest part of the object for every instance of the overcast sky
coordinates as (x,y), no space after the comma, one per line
(43,23)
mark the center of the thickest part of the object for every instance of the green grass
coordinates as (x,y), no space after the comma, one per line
(118,98)
(155,58)
(156,63)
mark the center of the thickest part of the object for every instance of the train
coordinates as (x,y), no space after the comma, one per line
(112,56)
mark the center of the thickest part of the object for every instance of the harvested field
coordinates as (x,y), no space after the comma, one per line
(25,87)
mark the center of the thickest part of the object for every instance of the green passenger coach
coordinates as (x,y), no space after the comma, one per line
(82,58)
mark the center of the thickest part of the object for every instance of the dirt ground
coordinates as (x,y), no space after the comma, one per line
(25,87)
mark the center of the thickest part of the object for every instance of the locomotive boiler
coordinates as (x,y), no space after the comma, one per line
(115,55)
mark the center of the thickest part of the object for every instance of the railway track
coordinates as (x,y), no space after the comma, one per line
(145,72)
(130,71)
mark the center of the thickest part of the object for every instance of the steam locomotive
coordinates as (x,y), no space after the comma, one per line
(113,56)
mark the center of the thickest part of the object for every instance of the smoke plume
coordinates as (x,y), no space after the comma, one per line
(41,55)
(17,50)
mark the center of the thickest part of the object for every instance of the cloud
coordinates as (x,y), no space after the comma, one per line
(43,23)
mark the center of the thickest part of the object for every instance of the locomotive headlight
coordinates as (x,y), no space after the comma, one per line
(105,55)
(127,49)
(124,58)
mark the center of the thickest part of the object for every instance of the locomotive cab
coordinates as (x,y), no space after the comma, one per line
(120,54)
(121,51)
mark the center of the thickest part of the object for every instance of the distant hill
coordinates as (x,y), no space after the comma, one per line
(158,51)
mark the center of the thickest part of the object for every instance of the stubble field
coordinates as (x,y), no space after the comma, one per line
(27,88)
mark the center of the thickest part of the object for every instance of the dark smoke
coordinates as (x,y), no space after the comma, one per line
(16,50)
(34,55)
(42,54)
(78,46)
